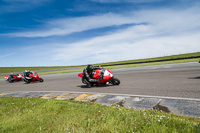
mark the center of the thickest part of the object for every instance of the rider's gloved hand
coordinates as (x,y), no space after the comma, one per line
(100,78)
(102,73)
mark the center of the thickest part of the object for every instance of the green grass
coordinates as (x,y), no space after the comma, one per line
(121,66)
(64,71)
(153,63)
(154,59)
(125,66)
(21,69)
(25,115)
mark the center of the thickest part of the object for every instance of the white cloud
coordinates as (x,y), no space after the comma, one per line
(168,32)
(20,5)
(6,55)
(164,20)
(25,1)
(109,48)
(71,25)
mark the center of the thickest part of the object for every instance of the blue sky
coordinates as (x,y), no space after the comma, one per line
(75,32)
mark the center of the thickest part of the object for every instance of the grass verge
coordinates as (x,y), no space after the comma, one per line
(21,69)
(121,66)
(41,115)
(153,63)
(156,59)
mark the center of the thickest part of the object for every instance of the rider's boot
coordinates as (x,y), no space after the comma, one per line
(89,85)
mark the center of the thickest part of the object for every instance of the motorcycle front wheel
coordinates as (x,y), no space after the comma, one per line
(115,81)
(10,80)
(41,80)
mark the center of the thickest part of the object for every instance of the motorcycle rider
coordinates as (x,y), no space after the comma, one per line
(88,73)
(27,73)
(12,76)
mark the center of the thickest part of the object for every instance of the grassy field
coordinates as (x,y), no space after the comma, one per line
(21,69)
(154,59)
(125,66)
(39,115)
(153,63)
(120,66)
(28,115)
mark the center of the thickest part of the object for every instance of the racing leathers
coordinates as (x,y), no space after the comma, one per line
(87,77)
(27,73)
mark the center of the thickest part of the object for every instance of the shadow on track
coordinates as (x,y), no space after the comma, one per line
(95,86)
(194,78)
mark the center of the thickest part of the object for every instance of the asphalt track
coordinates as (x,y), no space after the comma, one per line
(177,80)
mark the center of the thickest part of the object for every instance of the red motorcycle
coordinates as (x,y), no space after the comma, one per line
(32,77)
(13,77)
(108,77)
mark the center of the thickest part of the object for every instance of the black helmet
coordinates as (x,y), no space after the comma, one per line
(89,67)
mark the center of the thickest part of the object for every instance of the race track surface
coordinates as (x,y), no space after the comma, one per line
(178,80)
